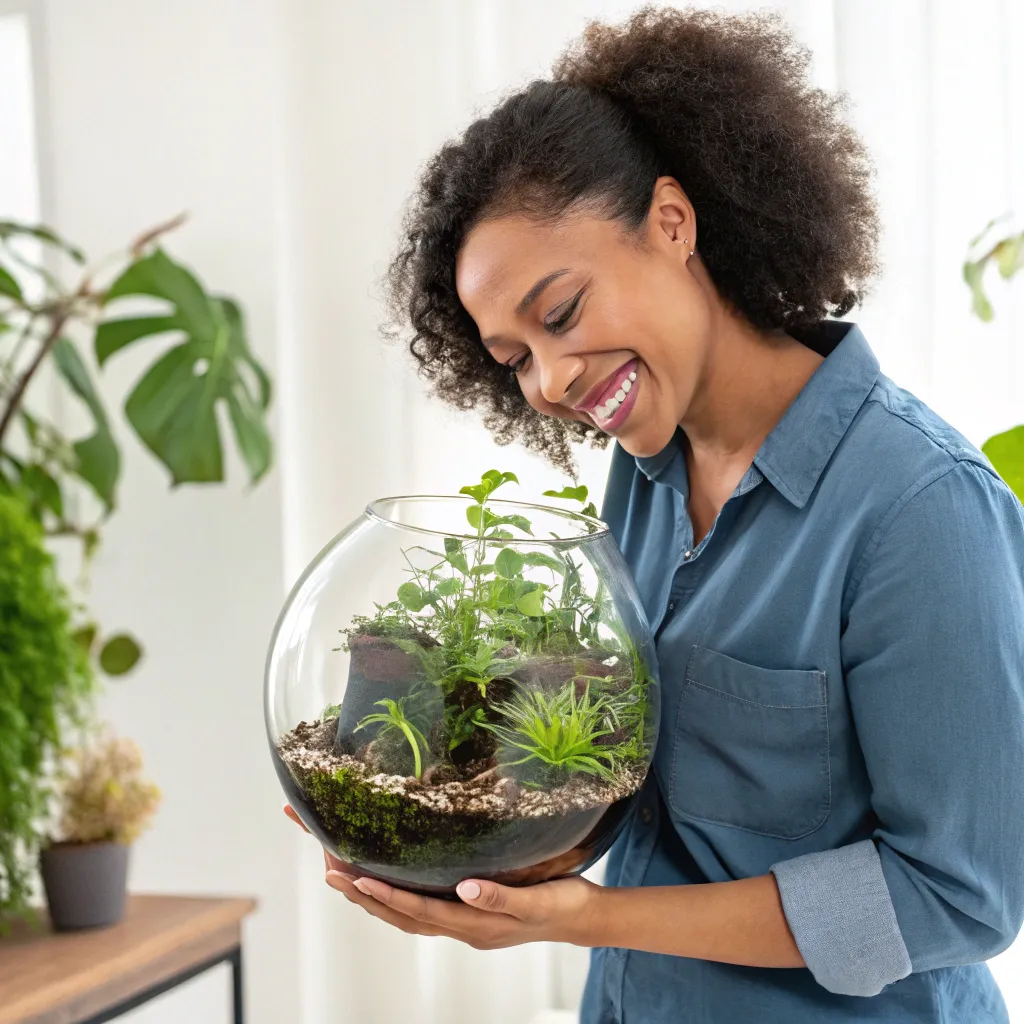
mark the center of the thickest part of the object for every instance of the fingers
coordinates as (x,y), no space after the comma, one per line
(489,896)
(443,914)
(345,884)
(290,812)
(331,863)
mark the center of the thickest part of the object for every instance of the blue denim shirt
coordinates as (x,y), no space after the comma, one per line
(842,667)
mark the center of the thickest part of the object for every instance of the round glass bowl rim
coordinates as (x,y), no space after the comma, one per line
(597,528)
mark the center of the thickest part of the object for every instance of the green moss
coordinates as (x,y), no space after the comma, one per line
(385,827)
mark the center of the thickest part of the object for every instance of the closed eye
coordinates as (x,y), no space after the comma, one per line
(561,323)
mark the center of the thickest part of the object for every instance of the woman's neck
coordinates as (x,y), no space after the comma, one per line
(750,379)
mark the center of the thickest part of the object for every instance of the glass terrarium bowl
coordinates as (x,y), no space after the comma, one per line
(457,689)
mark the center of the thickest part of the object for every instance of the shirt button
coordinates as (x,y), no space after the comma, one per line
(645,815)
(687,555)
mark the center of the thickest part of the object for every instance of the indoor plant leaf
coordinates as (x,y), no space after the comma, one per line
(173,406)
(10,229)
(570,493)
(974,271)
(412,596)
(1009,255)
(509,563)
(120,654)
(531,603)
(8,285)
(539,558)
(99,460)
(1006,453)
(43,490)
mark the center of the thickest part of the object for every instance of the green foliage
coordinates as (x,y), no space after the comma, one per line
(579,494)
(45,682)
(562,732)
(474,614)
(119,655)
(1008,256)
(172,409)
(1005,450)
(394,719)
(1006,453)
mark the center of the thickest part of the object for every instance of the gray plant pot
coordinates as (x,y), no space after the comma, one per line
(85,884)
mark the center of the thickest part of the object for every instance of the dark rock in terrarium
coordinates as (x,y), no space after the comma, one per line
(490,709)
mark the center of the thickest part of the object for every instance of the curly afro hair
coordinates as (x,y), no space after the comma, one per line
(780,184)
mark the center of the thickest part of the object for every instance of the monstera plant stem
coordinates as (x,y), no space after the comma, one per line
(60,318)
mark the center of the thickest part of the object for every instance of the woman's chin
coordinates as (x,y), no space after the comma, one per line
(645,442)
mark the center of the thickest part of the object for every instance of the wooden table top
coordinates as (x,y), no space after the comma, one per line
(63,978)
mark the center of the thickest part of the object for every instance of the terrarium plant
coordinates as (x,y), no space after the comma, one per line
(499,709)
(104,804)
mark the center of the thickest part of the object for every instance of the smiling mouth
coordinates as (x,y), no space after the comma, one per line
(609,402)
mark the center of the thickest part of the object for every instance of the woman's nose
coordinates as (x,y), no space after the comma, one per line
(556,374)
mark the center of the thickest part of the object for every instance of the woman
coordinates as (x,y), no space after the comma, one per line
(653,247)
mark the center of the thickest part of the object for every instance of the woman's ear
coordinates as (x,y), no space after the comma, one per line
(671,220)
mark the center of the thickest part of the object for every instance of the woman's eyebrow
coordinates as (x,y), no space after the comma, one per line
(528,299)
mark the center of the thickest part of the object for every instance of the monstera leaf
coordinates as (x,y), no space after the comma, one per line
(173,407)
(98,457)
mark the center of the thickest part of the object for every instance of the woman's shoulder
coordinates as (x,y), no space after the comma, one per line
(898,445)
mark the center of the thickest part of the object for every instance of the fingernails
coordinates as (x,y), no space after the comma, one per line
(371,887)
(335,875)
(468,890)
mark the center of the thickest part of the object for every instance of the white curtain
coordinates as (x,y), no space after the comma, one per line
(938,99)
(294,131)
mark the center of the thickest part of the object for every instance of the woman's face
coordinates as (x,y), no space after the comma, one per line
(600,326)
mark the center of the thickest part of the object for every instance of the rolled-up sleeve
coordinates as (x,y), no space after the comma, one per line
(933,659)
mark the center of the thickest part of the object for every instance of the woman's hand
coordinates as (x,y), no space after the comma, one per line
(491,916)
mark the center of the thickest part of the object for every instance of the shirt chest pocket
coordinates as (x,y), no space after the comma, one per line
(750,747)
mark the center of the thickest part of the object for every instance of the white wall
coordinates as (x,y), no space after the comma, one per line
(292,130)
(153,109)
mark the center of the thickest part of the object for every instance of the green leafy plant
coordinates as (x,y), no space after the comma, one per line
(70,485)
(393,719)
(1005,450)
(561,733)
(476,613)
(45,684)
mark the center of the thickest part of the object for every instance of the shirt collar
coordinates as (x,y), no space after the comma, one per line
(794,455)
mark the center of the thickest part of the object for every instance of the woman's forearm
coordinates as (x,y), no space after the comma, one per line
(732,922)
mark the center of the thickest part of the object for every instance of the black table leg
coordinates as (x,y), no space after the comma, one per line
(236,979)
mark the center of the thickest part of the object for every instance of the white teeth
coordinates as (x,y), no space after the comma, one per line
(605,411)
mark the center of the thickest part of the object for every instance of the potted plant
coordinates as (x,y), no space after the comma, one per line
(61,319)
(45,682)
(49,292)
(105,805)
(499,711)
